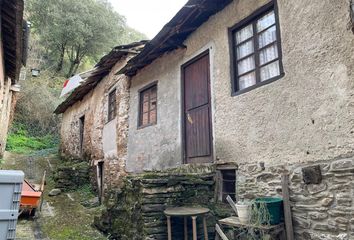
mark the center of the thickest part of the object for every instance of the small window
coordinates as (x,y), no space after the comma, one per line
(81,132)
(227,184)
(148,106)
(257,51)
(112,105)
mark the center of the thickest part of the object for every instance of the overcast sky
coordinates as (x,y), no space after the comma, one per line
(148,16)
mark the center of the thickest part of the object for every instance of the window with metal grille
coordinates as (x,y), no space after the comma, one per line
(148,106)
(256,50)
(112,105)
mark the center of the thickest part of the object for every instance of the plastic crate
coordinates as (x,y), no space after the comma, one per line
(10,195)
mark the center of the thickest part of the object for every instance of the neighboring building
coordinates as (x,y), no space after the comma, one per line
(12,54)
(96,113)
(265,85)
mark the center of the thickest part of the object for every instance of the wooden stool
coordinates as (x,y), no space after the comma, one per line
(186,212)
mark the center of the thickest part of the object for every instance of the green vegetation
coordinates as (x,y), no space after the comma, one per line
(86,192)
(66,37)
(19,141)
(74,32)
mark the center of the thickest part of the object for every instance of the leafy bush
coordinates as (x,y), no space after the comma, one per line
(37,100)
(20,141)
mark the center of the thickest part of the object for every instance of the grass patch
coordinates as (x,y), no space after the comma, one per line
(20,141)
(86,192)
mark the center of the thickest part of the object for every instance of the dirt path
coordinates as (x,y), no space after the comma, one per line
(62,217)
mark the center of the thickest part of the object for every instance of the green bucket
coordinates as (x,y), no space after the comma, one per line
(274,206)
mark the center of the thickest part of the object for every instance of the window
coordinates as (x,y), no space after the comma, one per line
(81,132)
(228,184)
(256,50)
(112,105)
(148,106)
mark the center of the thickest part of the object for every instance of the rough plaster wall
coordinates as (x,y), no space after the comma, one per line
(7,103)
(109,138)
(5,115)
(2,100)
(157,146)
(306,115)
(2,76)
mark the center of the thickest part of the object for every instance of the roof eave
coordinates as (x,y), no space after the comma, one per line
(12,27)
(172,36)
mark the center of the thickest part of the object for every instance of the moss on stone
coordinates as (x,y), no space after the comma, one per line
(136,210)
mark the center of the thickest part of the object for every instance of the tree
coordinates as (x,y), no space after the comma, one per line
(75,30)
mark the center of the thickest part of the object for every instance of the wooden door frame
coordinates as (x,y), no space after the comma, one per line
(183,115)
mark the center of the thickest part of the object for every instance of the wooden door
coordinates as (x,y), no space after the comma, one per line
(197,111)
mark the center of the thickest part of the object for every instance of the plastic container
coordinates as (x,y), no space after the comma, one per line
(274,206)
(10,189)
(244,212)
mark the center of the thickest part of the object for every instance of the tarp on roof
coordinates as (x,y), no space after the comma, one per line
(94,76)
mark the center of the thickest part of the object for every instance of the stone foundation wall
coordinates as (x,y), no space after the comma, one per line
(71,175)
(136,211)
(320,211)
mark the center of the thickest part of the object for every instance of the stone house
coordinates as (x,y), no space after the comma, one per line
(12,55)
(252,87)
(96,113)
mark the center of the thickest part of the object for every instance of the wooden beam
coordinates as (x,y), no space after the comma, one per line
(287,210)
(220,232)
(232,204)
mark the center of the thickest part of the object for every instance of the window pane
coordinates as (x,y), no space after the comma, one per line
(145,119)
(244,33)
(153,104)
(265,21)
(268,54)
(268,36)
(270,70)
(153,93)
(145,96)
(247,80)
(245,49)
(153,116)
(246,65)
(145,107)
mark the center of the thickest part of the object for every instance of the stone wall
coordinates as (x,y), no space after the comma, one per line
(71,174)
(320,211)
(136,211)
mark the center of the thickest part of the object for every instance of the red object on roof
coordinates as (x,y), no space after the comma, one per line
(65,83)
